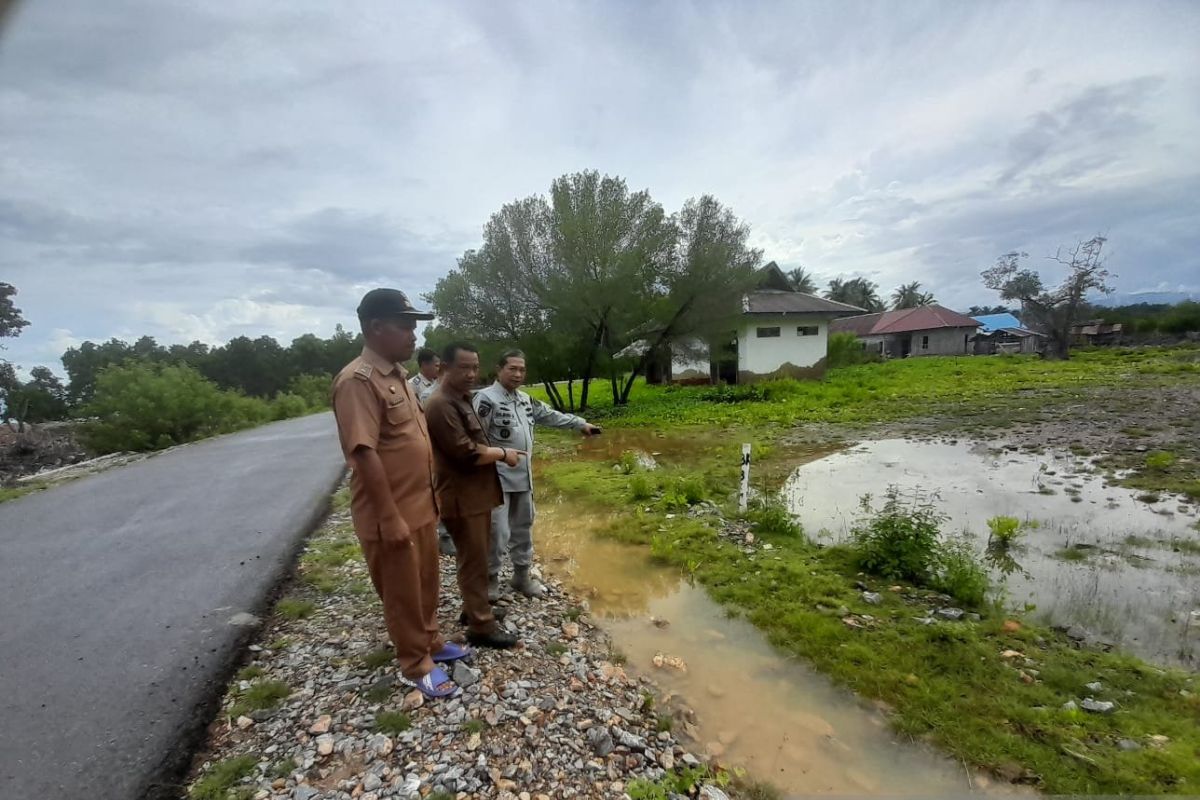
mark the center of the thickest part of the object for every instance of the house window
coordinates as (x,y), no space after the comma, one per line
(767,333)
(924,342)
(807,330)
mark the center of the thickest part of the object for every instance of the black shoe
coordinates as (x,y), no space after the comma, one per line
(498,640)
(499,612)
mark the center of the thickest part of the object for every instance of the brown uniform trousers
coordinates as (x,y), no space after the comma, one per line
(467,492)
(375,409)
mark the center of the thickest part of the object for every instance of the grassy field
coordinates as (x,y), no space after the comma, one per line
(993,693)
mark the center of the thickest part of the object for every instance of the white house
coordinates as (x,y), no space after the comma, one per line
(782,332)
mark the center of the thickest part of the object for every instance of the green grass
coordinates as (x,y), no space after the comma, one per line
(555,649)
(259,696)
(295,608)
(966,698)
(13,492)
(220,781)
(392,722)
(378,658)
(249,673)
(474,726)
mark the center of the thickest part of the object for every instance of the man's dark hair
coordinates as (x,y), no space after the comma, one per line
(507,354)
(425,356)
(451,351)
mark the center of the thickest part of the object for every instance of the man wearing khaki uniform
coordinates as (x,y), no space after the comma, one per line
(392,503)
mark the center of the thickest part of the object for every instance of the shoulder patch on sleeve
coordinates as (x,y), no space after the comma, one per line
(363,372)
(485,408)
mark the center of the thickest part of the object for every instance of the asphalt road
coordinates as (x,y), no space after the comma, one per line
(116,595)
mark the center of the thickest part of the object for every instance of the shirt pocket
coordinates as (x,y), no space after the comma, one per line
(399,411)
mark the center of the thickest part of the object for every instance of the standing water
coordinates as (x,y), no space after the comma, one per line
(1097,559)
(758,710)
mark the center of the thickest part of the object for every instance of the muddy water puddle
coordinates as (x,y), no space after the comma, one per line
(1096,557)
(782,722)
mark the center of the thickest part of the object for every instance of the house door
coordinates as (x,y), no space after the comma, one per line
(905,346)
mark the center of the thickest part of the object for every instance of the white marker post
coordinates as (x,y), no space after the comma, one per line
(744,497)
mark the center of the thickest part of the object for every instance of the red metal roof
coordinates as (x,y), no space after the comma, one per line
(907,320)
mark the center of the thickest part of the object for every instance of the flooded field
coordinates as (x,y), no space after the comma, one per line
(1115,565)
(770,715)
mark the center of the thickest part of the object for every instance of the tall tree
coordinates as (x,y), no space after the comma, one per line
(42,398)
(802,280)
(856,292)
(704,283)
(11,321)
(909,295)
(982,311)
(1053,311)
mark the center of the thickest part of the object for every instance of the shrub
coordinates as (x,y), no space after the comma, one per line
(901,541)
(392,722)
(770,516)
(1004,531)
(640,488)
(313,388)
(959,573)
(140,406)
(846,349)
(286,405)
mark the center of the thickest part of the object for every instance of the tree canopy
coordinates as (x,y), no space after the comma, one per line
(909,295)
(856,292)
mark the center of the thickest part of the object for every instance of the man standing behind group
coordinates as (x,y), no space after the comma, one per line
(509,416)
(468,487)
(425,381)
(386,443)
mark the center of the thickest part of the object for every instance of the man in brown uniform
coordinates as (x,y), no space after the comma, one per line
(468,487)
(386,443)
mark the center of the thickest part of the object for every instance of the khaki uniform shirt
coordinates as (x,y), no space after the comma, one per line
(464,486)
(375,407)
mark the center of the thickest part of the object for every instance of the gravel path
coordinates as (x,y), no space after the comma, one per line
(558,718)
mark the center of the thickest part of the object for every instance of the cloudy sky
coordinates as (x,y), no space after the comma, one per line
(205,170)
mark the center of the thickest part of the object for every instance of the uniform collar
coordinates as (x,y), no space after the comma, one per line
(504,391)
(379,363)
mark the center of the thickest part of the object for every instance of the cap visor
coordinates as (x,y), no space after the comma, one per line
(418,315)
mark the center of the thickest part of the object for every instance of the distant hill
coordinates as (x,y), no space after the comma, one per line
(1153,298)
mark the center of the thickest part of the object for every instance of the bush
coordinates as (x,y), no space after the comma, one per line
(313,388)
(141,406)
(770,516)
(640,487)
(846,349)
(1159,461)
(901,541)
(286,405)
(959,573)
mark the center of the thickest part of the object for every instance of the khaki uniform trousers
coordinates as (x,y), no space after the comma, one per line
(407,580)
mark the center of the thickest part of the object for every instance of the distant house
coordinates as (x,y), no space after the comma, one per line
(931,330)
(1004,333)
(780,333)
(1097,333)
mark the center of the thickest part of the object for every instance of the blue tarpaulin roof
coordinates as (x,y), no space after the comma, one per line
(994,322)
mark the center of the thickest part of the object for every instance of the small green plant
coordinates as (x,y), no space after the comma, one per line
(693,490)
(282,643)
(641,488)
(682,781)
(295,608)
(960,574)
(392,722)
(281,768)
(647,702)
(1071,554)
(901,541)
(249,673)
(664,724)
(574,613)
(1004,531)
(627,464)
(1159,461)
(771,517)
(378,694)
(474,726)
(617,657)
(259,696)
(1148,497)
(219,782)
(378,658)
(556,649)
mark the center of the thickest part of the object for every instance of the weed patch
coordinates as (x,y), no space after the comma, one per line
(262,695)
(392,722)
(219,782)
(295,608)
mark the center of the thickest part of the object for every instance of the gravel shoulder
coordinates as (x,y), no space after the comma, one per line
(320,711)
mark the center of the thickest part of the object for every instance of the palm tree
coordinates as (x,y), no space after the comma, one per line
(856,292)
(909,295)
(802,280)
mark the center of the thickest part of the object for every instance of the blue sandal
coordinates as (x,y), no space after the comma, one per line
(452,652)
(437,684)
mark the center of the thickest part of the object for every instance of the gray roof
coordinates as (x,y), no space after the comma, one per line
(769,301)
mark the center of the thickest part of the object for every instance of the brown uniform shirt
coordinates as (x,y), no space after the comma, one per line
(375,408)
(464,487)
